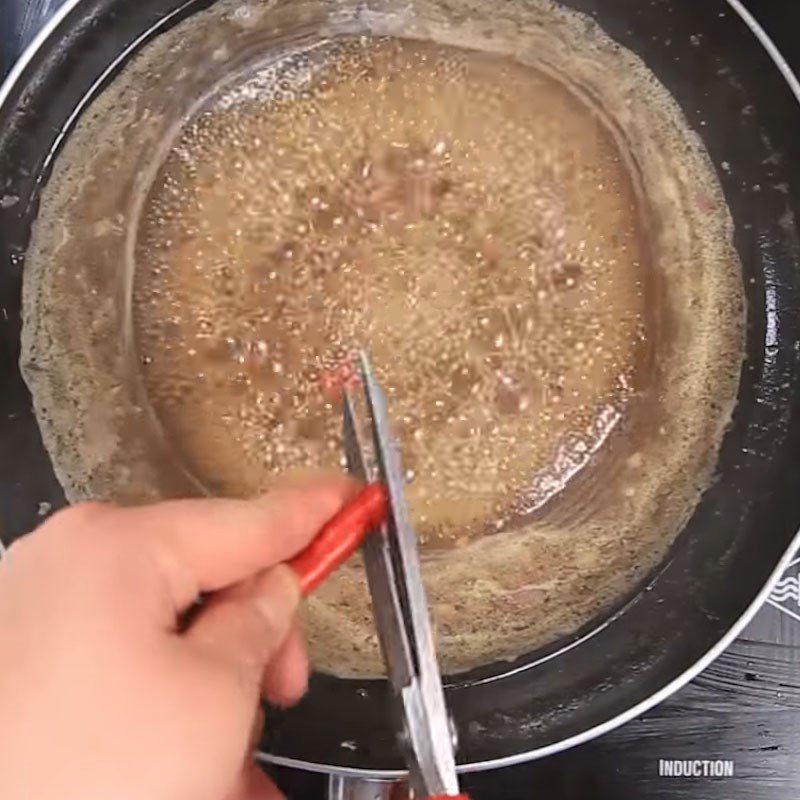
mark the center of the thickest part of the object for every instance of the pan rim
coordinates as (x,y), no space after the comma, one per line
(16,74)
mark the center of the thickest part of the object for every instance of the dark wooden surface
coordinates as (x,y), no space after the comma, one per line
(744,707)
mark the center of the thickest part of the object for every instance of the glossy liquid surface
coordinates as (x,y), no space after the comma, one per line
(466,219)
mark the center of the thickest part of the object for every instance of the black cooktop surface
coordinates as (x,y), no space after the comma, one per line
(743,709)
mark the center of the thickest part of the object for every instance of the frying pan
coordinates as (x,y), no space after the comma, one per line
(741,98)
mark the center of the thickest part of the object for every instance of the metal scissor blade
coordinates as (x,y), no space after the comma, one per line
(378,565)
(428,726)
(353,446)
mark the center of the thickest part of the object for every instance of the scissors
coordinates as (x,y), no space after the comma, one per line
(377,520)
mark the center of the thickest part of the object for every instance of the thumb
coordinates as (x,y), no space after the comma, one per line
(247,623)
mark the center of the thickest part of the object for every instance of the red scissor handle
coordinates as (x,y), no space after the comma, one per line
(450,797)
(340,537)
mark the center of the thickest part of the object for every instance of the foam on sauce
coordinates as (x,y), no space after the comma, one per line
(504,207)
(465,218)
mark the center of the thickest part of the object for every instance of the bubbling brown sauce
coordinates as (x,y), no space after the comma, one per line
(465,218)
(505,207)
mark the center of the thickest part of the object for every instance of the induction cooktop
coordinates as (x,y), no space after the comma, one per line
(741,716)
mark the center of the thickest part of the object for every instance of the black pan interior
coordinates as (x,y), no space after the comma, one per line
(736,98)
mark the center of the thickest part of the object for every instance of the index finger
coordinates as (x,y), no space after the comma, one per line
(208,544)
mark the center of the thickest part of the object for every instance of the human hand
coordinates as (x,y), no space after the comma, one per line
(105,693)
